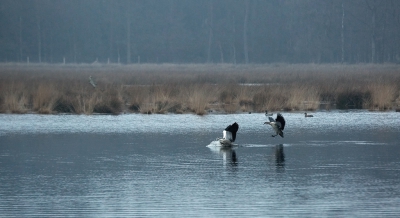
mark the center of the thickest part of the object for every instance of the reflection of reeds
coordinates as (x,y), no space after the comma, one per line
(196,88)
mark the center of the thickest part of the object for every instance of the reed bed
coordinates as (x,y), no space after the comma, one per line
(199,89)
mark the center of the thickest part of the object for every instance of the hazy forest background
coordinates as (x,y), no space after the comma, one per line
(193,31)
(198,56)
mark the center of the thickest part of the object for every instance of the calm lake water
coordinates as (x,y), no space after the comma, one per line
(337,164)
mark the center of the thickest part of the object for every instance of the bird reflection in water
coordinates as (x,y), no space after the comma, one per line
(229,156)
(279,157)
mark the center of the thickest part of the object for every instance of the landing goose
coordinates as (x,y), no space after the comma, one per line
(229,135)
(278,125)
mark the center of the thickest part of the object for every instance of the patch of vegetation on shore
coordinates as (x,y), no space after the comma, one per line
(197,88)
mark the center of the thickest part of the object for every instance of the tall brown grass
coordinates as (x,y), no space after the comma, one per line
(382,94)
(14,97)
(168,88)
(45,97)
(198,96)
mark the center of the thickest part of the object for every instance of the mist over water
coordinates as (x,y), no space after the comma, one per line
(334,164)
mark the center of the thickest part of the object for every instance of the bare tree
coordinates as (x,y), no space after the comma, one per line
(373,8)
(20,38)
(209,23)
(128,33)
(246,20)
(342,34)
(39,34)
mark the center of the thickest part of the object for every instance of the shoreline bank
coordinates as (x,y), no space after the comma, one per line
(197,89)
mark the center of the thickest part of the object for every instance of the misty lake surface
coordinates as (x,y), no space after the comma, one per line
(336,164)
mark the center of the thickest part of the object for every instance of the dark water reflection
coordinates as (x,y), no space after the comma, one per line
(279,157)
(310,173)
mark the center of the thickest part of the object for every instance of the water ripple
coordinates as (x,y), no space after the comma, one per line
(171,123)
(335,164)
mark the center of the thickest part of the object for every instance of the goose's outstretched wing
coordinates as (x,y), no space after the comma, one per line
(281,120)
(233,129)
(271,119)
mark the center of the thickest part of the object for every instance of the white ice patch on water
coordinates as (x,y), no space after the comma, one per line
(214,144)
(258,145)
(217,144)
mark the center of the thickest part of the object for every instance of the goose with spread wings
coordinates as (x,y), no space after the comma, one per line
(229,134)
(277,124)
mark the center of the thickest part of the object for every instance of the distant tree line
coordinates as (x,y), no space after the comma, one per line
(200,31)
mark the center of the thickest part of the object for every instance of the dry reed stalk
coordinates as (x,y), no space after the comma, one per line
(302,97)
(382,95)
(271,98)
(15,103)
(148,102)
(87,102)
(134,96)
(44,98)
(164,98)
(141,99)
(147,107)
(108,105)
(198,97)
(245,97)
(177,88)
(228,97)
(14,98)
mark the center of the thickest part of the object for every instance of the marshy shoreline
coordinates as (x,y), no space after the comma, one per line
(196,88)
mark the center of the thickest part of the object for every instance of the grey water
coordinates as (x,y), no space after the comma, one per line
(338,164)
